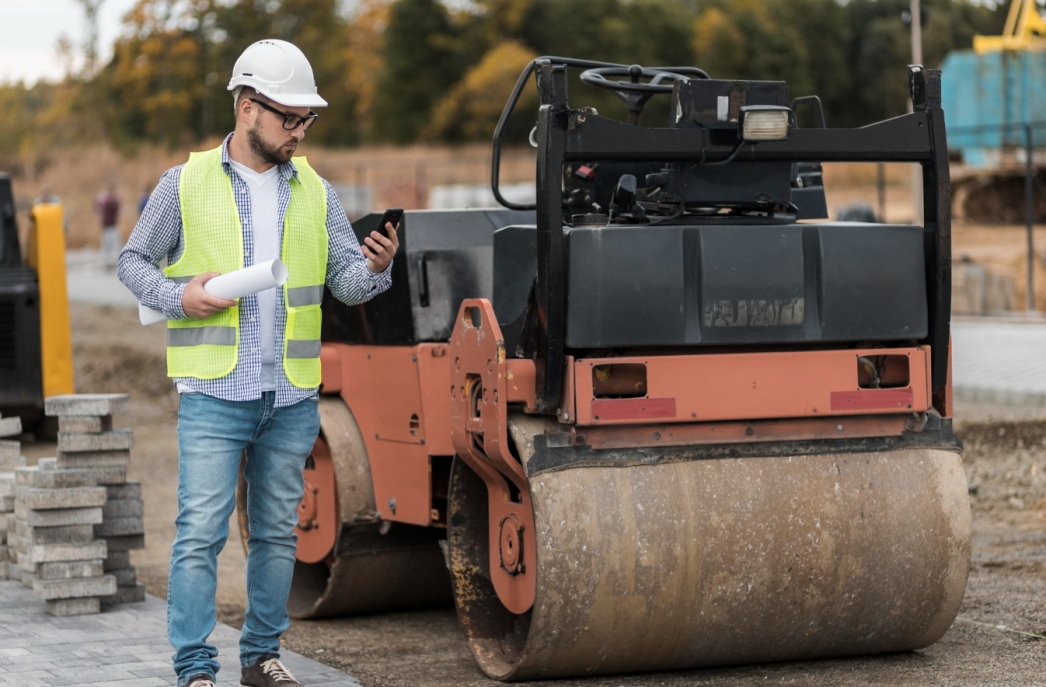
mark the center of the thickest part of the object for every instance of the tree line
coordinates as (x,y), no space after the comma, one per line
(432,71)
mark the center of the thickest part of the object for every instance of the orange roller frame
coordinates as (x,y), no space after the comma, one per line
(750,386)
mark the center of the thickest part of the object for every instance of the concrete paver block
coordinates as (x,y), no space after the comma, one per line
(62,570)
(128,543)
(10,450)
(12,462)
(50,553)
(5,570)
(64,534)
(123,508)
(130,490)
(48,499)
(93,459)
(120,527)
(61,516)
(125,577)
(97,405)
(7,503)
(47,463)
(10,426)
(113,440)
(85,424)
(117,560)
(71,607)
(110,474)
(54,479)
(7,483)
(125,595)
(74,588)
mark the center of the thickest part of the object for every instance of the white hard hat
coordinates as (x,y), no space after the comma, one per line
(278,70)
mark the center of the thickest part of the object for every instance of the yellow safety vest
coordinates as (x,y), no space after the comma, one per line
(213,238)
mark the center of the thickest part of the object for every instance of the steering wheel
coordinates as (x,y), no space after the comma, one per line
(598,77)
(634,92)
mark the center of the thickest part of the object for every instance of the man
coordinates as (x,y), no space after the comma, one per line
(107,205)
(247,371)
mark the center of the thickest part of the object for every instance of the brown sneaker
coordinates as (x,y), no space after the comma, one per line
(201,680)
(268,672)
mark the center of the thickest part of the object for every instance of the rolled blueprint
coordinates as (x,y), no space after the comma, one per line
(260,277)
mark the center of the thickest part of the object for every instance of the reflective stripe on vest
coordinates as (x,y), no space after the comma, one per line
(305,295)
(213,240)
(196,336)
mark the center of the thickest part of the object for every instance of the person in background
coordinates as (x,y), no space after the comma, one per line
(46,197)
(107,205)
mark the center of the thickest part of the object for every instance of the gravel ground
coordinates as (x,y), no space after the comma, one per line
(997,639)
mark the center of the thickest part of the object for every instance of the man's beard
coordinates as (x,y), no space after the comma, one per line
(272,154)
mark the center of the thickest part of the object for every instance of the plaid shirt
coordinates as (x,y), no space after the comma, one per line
(158,234)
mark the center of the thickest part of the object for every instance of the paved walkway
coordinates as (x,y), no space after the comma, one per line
(999,361)
(124,647)
(89,282)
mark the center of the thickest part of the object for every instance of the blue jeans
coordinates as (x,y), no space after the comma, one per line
(212,434)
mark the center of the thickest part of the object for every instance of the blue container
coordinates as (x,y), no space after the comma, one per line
(987,98)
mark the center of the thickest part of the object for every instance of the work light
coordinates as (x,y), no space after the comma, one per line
(764,122)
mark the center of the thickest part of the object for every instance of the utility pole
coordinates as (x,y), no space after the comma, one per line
(91,8)
(917,58)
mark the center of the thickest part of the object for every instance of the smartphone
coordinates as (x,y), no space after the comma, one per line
(393,215)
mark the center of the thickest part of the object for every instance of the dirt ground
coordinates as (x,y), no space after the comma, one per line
(996,640)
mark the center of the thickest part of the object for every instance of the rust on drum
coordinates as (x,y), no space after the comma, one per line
(725,561)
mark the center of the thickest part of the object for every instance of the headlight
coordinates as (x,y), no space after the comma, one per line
(764,122)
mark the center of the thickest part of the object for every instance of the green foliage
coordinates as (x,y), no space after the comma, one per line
(423,60)
(471,110)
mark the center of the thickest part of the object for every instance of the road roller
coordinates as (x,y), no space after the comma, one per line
(666,416)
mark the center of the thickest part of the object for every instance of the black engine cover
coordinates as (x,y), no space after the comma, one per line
(681,285)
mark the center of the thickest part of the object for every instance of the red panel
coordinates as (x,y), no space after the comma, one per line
(872,399)
(632,408)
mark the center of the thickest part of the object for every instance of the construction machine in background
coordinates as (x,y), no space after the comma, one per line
(36,356)
(995,97)
(668,416)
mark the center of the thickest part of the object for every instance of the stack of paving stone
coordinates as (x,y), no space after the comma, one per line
(88,442)
(58,555)
(10,458)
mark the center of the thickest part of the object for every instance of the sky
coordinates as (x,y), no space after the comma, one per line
(29,32)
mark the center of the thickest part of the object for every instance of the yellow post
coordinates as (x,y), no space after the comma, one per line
(47,256)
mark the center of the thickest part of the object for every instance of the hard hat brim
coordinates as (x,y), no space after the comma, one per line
(298,100)
(288,99)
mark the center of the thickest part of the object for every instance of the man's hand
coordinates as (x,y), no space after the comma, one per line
(198,303)
(379,250)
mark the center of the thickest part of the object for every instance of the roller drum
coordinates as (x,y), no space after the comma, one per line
(723,561)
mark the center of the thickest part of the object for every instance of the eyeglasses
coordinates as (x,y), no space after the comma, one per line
(290,121)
